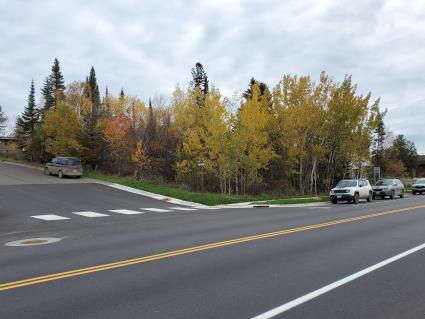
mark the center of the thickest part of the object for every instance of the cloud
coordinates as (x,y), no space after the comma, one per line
(147,47)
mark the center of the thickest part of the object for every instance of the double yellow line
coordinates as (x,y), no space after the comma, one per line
(129,262)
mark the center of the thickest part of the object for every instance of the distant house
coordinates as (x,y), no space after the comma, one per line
(5,141)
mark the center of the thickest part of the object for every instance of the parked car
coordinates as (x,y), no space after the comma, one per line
(418,186)
(351,190)
(388,187)
(64,166)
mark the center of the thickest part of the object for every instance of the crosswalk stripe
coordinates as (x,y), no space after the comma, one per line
(90,214)
(183,208)
(50,217)
(126,211)
(159,210)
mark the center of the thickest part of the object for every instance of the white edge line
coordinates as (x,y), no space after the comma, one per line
(296,302)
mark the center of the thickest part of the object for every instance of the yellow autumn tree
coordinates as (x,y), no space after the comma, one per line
(140,160)
(60,131)
(203,134)
(252,139)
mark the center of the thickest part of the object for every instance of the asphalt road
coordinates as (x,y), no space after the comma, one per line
(295,251)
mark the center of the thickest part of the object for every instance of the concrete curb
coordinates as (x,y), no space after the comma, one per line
(23,165)
(259,205)
(163,198)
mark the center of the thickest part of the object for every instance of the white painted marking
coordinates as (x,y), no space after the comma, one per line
(90,214)
(183,208)
(50,217)
(126,211)
(159,210)
(296,302)
(33,241)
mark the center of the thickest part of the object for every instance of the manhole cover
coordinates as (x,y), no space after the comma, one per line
(33,241)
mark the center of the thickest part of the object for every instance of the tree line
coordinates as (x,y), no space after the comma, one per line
(299,136)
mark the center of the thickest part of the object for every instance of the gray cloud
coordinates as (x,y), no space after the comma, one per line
(149,46)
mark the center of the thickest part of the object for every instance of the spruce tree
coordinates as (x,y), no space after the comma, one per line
(3,121)
(94,94)
(58,81)
(150,131)
(106,103)
(378,151)
(92,135)
(48,94)
(200,78)
(199,83)
(53,88)
(29,118)
(264,95)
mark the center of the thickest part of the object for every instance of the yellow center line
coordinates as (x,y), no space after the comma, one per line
(128,262)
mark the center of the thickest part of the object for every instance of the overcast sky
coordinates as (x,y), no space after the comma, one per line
(147,47)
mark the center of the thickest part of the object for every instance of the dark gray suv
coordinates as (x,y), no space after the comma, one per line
(390,187)
(64,166)
(418,186)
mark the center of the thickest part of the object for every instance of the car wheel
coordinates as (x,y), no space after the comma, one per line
(46,171)
(402,194)
(60,174)
(413,193)
(356,198)
(334,201)
(370,197)
(383,197)
(420,193)
(392,196)
(77,177)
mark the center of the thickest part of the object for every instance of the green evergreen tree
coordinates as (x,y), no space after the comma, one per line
(26,127)
(407,153)
(92,134)
(58,81)
(53,88)
(3,121)
(150,131)
(200,78)
(378,151)
(30,115)
(200,83)
(48,95)
(264,95)
(94,95)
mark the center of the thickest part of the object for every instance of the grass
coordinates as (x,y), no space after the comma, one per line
(177,192)
(201,198)
(4,157)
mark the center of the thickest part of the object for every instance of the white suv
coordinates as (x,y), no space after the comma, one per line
(351,190)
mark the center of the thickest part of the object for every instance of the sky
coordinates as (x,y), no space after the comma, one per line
(147,47)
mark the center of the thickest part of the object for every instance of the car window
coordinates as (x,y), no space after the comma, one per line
(420,181)
(346,183)
(384,182)
(74,162)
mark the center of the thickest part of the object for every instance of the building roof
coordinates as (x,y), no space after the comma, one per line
(8,138)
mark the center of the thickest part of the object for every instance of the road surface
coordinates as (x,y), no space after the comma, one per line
(122,255)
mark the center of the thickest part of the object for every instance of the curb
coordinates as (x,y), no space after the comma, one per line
(23,165)
(163,198)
